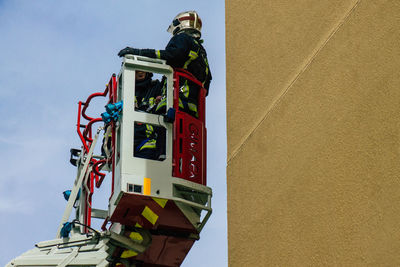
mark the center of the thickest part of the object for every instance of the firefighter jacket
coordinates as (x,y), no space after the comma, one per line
(145,93)
(145,142)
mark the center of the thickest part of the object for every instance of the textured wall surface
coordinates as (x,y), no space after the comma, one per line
(313,104)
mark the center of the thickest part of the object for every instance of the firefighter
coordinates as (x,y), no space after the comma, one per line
(146,135)
(145,139)
(146,91)
(184,50)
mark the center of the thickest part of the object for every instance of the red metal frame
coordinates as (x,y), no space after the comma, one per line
(99,174)
(190,137)
(96,177)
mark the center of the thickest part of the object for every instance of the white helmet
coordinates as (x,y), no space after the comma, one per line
(188,20)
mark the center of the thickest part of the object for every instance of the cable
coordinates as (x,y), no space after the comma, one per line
(97,233)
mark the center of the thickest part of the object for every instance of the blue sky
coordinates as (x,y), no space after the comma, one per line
(55,53)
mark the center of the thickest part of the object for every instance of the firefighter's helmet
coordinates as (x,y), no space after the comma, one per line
(188,20)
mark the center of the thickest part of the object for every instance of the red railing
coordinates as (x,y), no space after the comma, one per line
(86,137)
(190,137)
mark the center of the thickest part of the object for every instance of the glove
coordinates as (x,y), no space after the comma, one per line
(129,50)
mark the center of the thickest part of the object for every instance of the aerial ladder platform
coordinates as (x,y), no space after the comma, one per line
(157,208)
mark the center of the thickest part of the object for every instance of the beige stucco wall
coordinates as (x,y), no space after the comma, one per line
(313,104)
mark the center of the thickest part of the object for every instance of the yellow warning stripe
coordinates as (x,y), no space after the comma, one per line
(150,215)
(136,236)
(128,254)
(160,201)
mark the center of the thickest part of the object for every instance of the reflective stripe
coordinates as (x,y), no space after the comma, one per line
(188,105)
(151,144)
(207,69)
(192,107)
(158,54)
(164,88)
(151,101)
(162,104)
(141,144)
(181,104)
(185,89)
(149,130)
(192,56)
